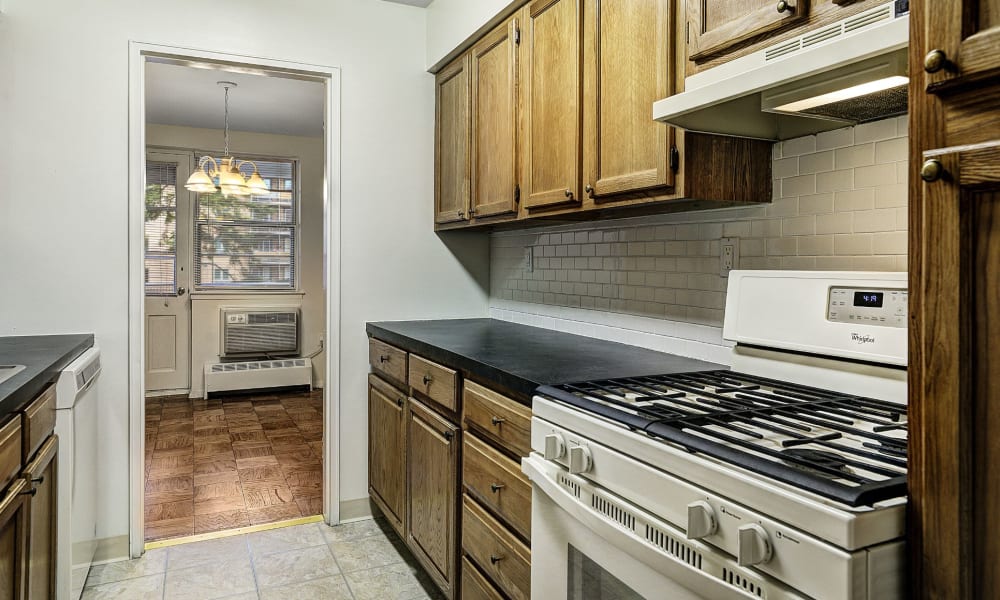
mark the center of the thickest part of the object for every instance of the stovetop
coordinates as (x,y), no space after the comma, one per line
(843,447)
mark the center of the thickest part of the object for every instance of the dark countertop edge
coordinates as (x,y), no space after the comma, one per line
(16,400)
(518,388)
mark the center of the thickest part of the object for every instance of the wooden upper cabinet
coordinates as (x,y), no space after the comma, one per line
(962,44)
(715,26)
(552,69)
(494,121)
(451,143)
(629,65)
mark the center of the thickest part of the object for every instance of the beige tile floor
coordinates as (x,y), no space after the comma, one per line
(364,560)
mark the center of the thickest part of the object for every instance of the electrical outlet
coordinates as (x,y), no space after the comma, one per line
(729,255)
(529,259)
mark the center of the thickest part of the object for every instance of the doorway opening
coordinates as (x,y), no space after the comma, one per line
(234,291)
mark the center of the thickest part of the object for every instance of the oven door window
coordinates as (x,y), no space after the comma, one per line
(588,580)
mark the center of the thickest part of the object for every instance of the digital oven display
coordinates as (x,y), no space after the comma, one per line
(869,299)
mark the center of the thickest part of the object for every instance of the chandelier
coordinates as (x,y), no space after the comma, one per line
(226,175)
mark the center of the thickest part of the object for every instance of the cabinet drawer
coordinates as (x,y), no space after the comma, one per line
(497,482)
(388,360)
(496,551)
(475,586)
(434,381)
(10,451)
(39,421)
(499,417)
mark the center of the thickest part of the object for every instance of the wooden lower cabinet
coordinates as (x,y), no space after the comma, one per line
(475,586)
(387,450)
(13,540)
(42,521)
(503,557)
(432,485)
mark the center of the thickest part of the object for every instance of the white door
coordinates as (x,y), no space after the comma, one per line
(168,271)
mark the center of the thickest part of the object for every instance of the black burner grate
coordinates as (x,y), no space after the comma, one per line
(847,448)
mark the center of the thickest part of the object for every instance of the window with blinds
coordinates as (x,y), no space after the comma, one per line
(250,242)
(161,228)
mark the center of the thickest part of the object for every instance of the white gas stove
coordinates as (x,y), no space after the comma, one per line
(784,477)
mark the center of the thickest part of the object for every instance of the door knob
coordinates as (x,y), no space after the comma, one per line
(181,291)
(935,61)
(931,171)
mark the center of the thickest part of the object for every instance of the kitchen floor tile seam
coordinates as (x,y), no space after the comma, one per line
(340,568)
(340,571)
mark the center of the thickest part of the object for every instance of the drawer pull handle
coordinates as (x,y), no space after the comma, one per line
(38,479)
(497,421)
(399,402)
(494,559)
(30,492)
(428,379)
(448,435)
(382,358)
(496,487)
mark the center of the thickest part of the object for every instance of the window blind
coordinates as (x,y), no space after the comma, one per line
(161,229)
(249,242)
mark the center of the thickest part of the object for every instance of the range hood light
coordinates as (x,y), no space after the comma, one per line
(845,94)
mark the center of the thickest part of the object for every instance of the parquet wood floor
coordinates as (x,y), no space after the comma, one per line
(226,463)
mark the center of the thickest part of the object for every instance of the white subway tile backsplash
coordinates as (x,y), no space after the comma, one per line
(840,203)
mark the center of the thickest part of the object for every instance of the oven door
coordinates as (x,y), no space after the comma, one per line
(587,544)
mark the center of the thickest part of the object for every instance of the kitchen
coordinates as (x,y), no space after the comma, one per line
(821,217)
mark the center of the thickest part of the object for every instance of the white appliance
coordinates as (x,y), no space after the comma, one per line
(784,477)
(258,374)
(848,72)
(77,399)
(259,332)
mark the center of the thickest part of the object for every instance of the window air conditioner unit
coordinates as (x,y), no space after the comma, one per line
(263,332)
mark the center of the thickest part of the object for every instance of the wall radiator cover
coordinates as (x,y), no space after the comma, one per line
(259,332)
(257,374)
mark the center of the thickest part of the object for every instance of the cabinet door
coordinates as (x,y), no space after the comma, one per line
(552,101)
(714,26)
(451,147)
(962,41)
(387,450)
(13,538)
(432,481)
(42,521)
(954,391)
(494,121)
(630,65)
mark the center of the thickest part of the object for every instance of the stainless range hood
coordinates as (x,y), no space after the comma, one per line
(849,72)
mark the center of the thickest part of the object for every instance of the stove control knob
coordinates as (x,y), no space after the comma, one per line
(580,460)
(701,520)
(555,446)
(754,546)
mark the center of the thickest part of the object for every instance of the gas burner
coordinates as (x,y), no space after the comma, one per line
(819,462)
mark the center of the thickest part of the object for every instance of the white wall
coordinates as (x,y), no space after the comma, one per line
(309,153)
(63,181)
(450,22)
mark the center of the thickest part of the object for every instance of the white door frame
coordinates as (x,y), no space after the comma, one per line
(138,52)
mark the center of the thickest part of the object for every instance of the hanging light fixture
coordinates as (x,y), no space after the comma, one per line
(226,175)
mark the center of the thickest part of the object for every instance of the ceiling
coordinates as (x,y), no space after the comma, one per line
(190,97)
(420,3)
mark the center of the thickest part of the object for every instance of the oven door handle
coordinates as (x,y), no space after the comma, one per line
(702,581)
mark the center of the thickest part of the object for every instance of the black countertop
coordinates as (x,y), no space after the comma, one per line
(521,358)
(43,357)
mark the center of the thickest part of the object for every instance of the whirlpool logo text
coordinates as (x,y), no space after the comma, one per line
(862,339)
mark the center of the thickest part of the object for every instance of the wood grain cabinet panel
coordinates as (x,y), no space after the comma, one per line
(432,484)
(13,540)
(629,65)
(496,551)
(10,451)
(387,450)
(452,185)
(39,421)
(552,71)
(494,122)
(475,586)
(718,25)
(436,382)
(961,47)
(387,360)
(497,483)
(43,518)
(497,417)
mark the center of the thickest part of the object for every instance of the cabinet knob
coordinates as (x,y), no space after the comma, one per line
(497,421)
(448,435)
(428,379)
(784,6)
(496,487)
(935,61)
(569,193)
(494,559)
(38,480)
(461,214)
(590,190)
(399,402)
(931,171)
(30,492)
